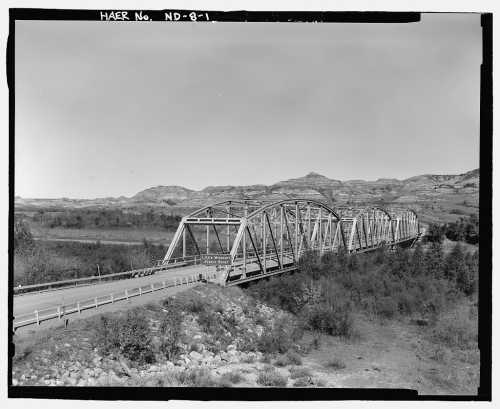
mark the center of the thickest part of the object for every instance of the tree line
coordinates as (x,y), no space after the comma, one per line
(464,229)
(105,218)
(38,262)
(329,288)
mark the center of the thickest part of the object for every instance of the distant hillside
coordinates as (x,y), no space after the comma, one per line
(458,193)
(167,194)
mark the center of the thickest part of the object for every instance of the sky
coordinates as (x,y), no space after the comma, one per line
(112,108)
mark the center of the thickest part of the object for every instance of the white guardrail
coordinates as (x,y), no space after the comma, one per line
(76,282)
(60,311)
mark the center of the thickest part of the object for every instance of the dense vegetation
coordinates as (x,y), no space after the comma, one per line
(94,218)
(464,229)
(38,262)
(328,289)
(324,297)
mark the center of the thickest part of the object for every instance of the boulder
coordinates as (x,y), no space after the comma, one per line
(168,366)
(91,382)
(196,356)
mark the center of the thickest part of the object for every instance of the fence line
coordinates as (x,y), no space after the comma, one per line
(60,311)
(178,262)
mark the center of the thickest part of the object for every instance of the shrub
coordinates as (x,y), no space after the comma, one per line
(329,319)
(294,358)
(290,358)
(441,354)
(232,377)
(196,306)
(456,329)
(200,377)
(299,372)
(282,292)
(220,329)
(197,377)
(266,358)
(271,377)
(248,359)
(335,363)
(320,382)
(170,333)
(386,307)
(434,233)
(127,335)
(303,382)
(22,235)
(316,341)
(280,337)
(282,360)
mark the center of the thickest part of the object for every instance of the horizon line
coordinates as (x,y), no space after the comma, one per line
(255,184)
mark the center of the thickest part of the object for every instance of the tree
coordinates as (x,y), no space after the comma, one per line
(433,260)
(23,238)
(434,233)
(417,261)
(467,277)
(454,265)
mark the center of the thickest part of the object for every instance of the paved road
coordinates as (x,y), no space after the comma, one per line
(27,303)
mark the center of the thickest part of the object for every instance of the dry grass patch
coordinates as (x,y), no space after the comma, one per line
(290,358)
(271,377)
(335,364)
(233,377)
(299,372)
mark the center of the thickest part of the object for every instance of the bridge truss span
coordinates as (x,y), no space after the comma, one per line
(259,238)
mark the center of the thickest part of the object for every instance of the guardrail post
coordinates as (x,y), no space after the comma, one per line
(95,299)
(140,290)
(112,298)
(37,317)
(152,287)
(164,284)
(126,294)
(78,307)
(59,311)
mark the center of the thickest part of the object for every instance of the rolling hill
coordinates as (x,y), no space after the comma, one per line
(453,194)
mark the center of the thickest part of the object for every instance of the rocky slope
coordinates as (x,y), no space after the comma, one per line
(388,354)
(209,355)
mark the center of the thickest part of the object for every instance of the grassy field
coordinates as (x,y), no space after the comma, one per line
(116,235)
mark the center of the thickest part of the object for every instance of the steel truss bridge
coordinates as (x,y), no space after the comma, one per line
(251,239)
(261,239)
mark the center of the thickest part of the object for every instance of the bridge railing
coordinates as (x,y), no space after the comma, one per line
(75,282)
(60,311)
